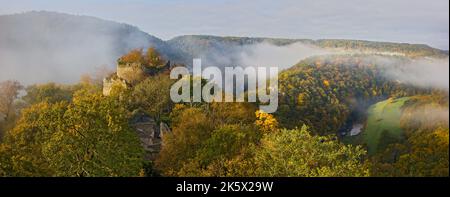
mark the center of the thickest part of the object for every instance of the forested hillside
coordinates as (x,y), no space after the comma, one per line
(405,127)
(347,108)
(207,46)
(75,130)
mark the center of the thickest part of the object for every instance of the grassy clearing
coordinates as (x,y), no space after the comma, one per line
(383,117)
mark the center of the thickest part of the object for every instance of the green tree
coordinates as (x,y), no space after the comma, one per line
(24,144)
(99,139)
(225,143)
(190,129)
(153,96)
(206,136)
(88,137)
(428,156)
(298,153)
(50,92)
(425,153)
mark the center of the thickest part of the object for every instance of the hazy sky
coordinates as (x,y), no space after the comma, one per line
(413,21)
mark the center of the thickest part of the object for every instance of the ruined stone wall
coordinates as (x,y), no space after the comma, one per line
(148,131)
(110,83)
(151,137)
(132,73)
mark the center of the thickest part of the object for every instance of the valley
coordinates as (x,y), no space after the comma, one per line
(345,107)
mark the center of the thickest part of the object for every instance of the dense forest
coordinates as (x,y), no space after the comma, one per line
(331,94)
(76,130)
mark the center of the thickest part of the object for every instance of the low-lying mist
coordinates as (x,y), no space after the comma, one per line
(430,115)
(38,47)
(423,72)
(283,57)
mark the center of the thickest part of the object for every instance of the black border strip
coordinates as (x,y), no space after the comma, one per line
(125,186)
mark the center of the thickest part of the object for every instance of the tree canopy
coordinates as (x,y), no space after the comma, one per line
(87,137)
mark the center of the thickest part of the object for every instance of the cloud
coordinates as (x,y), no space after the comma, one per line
(283,57)
(262,54)
(420,72)
(42,47)
(430,115)
(424,72)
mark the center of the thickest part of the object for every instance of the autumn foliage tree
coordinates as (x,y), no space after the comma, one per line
(202,146)
(134,56)
(300,154)
(9,91)
(150,59)
(323,92)
(191,128)
(153,58)
(88,137)
(49,92)
(266,122)
(198,132)
(425,150)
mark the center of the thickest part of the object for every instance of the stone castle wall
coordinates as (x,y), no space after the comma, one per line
(110,83)
(148,131)
(150,136)
(132,73)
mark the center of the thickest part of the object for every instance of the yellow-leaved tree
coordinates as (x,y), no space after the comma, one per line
(266,122)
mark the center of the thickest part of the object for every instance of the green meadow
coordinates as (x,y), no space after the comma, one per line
(383,119)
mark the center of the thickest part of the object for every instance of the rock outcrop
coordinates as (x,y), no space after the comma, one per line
(164,129)
(149,133)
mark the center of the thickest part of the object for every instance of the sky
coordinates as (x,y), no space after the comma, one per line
(410,21)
